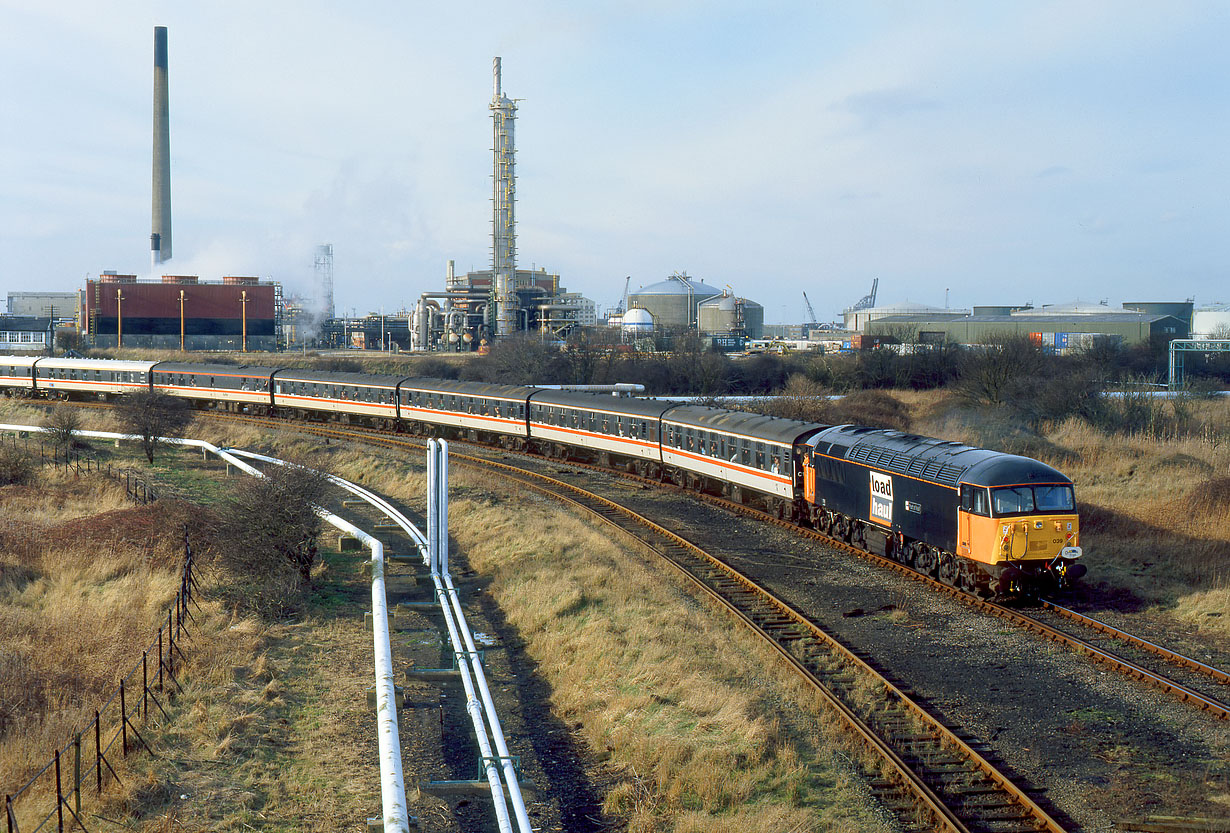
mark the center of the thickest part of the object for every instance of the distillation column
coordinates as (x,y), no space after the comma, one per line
(503,217)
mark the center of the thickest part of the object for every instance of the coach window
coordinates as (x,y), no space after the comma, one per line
(777,464)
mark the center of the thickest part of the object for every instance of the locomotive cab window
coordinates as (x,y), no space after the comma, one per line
(1054,499)
(974,499)
(1013,501)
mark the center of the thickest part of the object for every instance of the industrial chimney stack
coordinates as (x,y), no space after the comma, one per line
(160,238)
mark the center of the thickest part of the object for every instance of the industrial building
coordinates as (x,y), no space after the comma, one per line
(181,313)
(26,334)
(675,302)
(58,305)
(857,319)
(1062,326)
(478,307)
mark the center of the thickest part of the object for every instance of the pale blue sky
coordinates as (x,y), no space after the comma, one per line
(1009,152)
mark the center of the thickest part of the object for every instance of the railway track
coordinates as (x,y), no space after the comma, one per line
(1203,686)
(928,775)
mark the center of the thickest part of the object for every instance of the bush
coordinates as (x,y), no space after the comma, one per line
(62,425)
(16,466)
(267,535)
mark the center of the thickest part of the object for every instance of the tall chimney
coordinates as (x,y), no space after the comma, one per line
(160,239)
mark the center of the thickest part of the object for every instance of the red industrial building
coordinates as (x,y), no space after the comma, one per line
(181,312)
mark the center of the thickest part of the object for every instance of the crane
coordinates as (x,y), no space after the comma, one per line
(867,301)
(623,302)
(811,313)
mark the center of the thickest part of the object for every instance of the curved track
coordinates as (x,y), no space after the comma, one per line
(1202,685)
(932,778)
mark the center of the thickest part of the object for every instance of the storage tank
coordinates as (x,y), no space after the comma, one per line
(1211,321)
(727,314)
(674,301)
(637,322)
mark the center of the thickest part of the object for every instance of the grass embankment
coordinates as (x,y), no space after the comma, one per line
(85,580)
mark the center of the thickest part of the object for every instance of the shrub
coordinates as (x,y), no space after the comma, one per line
(62,425)
(267,536)
(16,466)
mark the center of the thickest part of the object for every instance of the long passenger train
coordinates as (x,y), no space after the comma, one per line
(980,520)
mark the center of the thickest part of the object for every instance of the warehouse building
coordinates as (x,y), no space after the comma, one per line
(181,313)
(57,305)
(1062,327)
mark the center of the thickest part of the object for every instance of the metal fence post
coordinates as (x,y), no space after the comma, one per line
(59,797)
(145,685)
(8,811)
(160,659)
(123,719)
(77,773)
(98,752)
(170,646)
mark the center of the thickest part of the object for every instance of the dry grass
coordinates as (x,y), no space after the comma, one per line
(681,704)
(670,692)
(85,581)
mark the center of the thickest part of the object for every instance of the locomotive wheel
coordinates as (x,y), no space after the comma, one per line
(949,570)
(926,561)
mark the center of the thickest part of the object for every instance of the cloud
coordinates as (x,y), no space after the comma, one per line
(876,106)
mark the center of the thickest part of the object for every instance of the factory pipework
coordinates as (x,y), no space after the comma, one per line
(160,238)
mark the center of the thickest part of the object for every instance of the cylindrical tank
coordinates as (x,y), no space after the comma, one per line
(728,314)
(1212,321)
(674,301)
(188,279)
(236,280)
(637,322)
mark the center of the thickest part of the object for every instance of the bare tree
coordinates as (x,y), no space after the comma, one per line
(62,424)
(994,373)
(267,535)
(152,416)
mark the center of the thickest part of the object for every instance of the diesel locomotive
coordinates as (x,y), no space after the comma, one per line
(983,521)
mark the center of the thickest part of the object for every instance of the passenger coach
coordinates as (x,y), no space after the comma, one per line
(343,394)
(610,430)
(729,451)
(476,409)
(225,384)
(101,377)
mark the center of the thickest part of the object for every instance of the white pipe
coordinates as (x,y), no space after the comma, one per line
(435,543)
(442,508)
(450,598)
(497,731)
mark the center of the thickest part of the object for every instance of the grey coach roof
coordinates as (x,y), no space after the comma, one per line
(768,428)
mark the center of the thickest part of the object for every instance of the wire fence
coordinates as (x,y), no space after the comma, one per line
(139,486)
(84,764)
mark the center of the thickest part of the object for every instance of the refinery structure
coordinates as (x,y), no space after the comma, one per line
(478,307)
